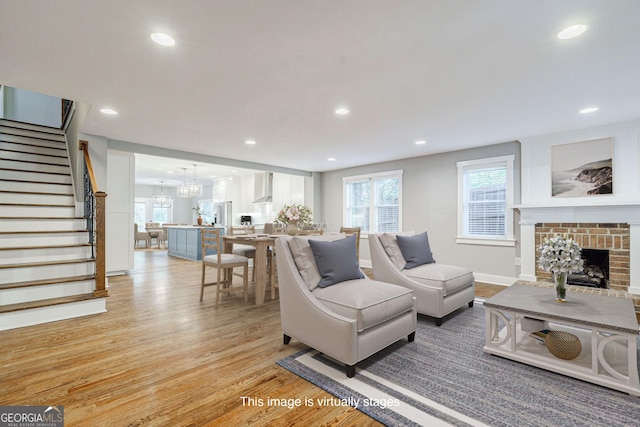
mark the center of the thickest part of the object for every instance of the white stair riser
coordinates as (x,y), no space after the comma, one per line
(57,136)
(30,126)
(32,167)
(15,256)
(26,240)
(31,157)
(35,176)
(40,199)
(31,149)
(36,225)
(27,274)
(37,316)
(35,186)
(35,293)
(32,141)
(39,211)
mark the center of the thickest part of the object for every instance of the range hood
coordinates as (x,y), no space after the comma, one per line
(263,187)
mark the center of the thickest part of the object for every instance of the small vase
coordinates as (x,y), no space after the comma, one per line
(560,280)
(292,229)
(199,220)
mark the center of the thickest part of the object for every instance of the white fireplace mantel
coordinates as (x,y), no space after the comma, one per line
(530,215)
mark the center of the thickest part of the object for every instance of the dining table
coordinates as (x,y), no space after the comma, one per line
(261,242)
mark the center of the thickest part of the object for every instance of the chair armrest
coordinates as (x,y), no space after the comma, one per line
(307,319)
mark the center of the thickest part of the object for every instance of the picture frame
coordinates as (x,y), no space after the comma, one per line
(582,169)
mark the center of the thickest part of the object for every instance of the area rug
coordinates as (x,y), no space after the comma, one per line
(444,378)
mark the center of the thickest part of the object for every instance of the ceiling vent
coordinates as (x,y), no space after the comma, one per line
(263,187)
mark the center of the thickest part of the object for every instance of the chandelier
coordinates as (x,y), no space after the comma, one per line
(184,189)
(161,200)
(195,189)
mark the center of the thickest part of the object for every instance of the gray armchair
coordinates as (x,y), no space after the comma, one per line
(350,320)
(439,289)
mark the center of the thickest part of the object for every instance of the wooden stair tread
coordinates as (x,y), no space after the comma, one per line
(47,205)
(46,263)
(29,181)
(74,245)
(42,232)
(43,193)
(37,171)
(30,144)
(47,302)
(47,282)
(33,162)
(32,154)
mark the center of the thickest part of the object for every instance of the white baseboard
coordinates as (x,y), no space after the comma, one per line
(494,280)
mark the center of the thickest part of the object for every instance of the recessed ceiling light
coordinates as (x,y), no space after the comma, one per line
(572,31)
(421,142)
(169,171)
(250,142)
(342,111)
(108,111)
(588,110)
(331,159)
(163,39)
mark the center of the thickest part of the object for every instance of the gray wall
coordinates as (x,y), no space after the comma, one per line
(31,107)
(430,203)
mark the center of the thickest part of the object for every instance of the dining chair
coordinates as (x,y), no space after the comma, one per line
(223,263)
(349,231)
(140,235)
(245,250)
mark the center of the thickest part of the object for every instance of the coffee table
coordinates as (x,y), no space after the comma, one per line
(606,326)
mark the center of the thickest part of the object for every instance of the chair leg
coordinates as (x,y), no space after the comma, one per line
(202,284)
(351,370)
(286,339)
(218,286)
(245,283)
(439,321)
(412,336)
(470,304)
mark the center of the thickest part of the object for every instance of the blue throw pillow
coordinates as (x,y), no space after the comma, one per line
(415,249)
(336,260)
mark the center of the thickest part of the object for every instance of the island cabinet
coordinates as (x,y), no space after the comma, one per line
(186,241)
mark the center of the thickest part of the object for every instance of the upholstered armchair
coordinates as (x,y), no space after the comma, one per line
(327,303)
(140,235)
(439,289)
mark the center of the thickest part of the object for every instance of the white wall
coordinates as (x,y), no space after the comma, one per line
(119,213)
(536,165)
(430,203)
(30,107)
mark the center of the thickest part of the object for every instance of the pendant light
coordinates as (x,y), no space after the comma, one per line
(161,200)
(183,190)
(195,189)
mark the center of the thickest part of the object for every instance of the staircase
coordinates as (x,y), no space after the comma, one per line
(47,271)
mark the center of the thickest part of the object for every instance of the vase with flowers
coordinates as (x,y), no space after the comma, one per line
(198,210)
(561,256)
(294,216)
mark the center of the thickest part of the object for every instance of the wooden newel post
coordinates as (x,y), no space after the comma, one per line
(101,265)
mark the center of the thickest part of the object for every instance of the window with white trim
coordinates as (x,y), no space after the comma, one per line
(373,202)
(485,192)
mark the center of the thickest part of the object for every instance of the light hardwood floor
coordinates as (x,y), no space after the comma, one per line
(160,357)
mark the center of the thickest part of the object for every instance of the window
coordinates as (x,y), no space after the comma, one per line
(373,202)
(485,192)
(145,212)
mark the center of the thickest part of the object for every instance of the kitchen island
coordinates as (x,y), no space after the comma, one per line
(186,241)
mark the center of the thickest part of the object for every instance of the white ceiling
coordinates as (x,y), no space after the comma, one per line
(457,73)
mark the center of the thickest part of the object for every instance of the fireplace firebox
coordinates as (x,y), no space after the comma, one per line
(595,272)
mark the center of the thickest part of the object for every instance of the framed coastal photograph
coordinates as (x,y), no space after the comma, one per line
(582,168)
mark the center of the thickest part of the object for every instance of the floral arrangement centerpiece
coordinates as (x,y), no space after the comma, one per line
(560,256)
(198,210)
(294,216)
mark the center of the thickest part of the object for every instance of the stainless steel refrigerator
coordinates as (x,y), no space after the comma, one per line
(223,213)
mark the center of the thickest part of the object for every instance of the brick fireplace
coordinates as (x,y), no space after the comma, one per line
(615,228)
(611,237)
